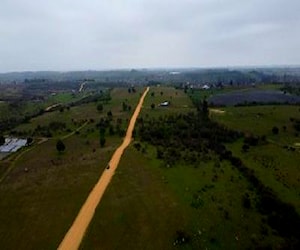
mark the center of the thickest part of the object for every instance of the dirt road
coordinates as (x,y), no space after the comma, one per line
(81,86)
(52,107)
(75,234)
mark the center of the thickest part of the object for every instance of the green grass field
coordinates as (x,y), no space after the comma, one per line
(260,120)
(274,164)
(147,205)
(42,194)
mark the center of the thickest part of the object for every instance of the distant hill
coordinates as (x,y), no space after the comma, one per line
(146,76)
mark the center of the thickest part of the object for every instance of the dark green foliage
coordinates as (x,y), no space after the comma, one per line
(205,110)
(138,146)
(42,131)
(102,141)
(60,146)
(54,126)
(159,153)
(245,147)
(102,131)
(291,88)
(296,124)
(197,201)
(190,131)
(47,130)
(282,217)
(246,201)
(103,123)
(100,107)
(124,106)
(275,130)
(152,106)
(29,140)
(109,114)
(2,140)
(251,140)
(181,238)
(111,130)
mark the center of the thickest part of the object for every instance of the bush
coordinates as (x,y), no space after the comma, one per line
(2,140)
(100,107)
(246,201)
(275,130)
(102,141)
(245,148)
(181,238)
(60,146)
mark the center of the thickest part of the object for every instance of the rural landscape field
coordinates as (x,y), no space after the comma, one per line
(149,125)
(198,173)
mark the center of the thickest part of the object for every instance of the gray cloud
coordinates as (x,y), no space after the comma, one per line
(90,34)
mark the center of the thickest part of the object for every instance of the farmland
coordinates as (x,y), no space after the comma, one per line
(253,97)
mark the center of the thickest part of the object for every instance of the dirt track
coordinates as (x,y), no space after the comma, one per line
(75,234)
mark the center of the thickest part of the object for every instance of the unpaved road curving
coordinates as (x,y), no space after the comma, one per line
(81,86)
(75,234)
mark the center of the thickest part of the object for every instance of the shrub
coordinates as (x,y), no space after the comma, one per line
(275,130)
(60,146)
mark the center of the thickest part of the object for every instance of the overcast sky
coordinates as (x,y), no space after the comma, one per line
(103,34)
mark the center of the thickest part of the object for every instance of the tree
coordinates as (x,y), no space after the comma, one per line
(2,140)
(205,108)
(124,106)
(29,140)
(152,105)
(185,89)
(109,114)
(60,146)
(246,201)
(102,141)
(111,130)
(100,107)
(245,148)
(275,130)
(138,146)
(102,131)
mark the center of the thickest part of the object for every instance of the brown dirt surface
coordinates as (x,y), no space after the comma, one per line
(76,232)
